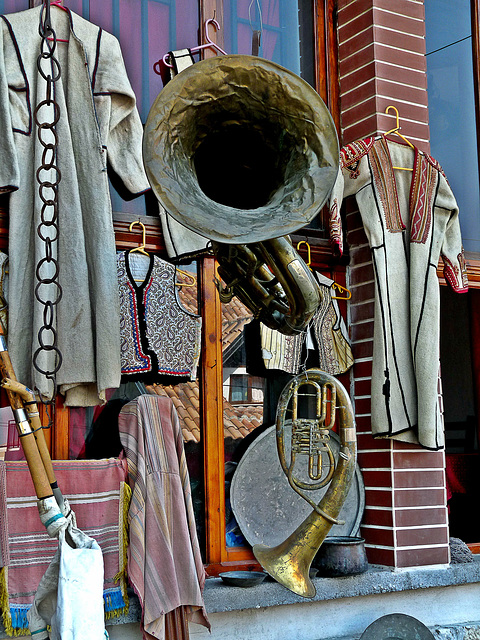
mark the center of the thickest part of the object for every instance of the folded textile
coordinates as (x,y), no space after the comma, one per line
(99,496)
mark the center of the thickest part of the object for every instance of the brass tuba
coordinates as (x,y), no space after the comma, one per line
(289,562)
(243,151)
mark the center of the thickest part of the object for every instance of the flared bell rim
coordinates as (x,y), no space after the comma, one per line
(284,571)
(290,209)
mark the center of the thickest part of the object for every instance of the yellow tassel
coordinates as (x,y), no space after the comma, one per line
(125,498)
(4,603)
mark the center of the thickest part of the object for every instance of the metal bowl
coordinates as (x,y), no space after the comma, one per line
(243,578)
(341,556)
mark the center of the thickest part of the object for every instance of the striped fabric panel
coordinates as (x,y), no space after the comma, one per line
(386,186)
(422,194)
(94,489)
(165,567)
(4,549)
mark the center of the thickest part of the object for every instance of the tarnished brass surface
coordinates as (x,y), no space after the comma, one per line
(240,149)
(289,562)
(272,280)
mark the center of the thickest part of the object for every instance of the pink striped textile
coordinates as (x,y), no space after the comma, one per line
(96,492)
(164,562)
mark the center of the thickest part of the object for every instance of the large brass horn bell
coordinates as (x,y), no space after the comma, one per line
(241,150)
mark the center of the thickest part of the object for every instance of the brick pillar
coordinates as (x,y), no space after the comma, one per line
(382,63)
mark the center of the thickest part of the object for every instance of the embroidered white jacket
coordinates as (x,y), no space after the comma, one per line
(410,219)
(98,121)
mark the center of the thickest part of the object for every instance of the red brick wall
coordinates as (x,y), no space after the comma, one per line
(382,63)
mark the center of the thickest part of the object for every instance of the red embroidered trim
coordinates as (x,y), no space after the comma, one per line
(335,221)
(456,276)
(421,199)
(352,153)
(385,183)
(463,268)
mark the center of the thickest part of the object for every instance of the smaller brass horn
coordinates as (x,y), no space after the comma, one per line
(289,562)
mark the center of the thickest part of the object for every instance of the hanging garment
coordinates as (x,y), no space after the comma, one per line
(164,562)
(98,123)
(410,218)
(326,338)
(158,336)
(182,244)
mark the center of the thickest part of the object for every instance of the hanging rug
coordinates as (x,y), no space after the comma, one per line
(99,496)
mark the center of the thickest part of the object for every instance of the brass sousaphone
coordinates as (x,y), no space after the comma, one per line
(245,152)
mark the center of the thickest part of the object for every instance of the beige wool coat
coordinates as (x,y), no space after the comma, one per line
(98,123)
(410,219)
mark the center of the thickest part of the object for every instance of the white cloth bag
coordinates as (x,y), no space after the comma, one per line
(69,597)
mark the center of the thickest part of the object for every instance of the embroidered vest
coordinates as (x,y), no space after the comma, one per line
(158,336)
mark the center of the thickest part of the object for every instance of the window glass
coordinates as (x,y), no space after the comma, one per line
(242,402)
(280,23)
(451,103)
(11,6)
(447,21)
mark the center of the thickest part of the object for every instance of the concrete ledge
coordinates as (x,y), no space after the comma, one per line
(226,603)
(220,597)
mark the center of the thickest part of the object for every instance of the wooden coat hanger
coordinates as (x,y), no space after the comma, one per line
(334,285)
(396,131)
(140,248)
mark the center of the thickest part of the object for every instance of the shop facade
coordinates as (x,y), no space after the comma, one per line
(362,57)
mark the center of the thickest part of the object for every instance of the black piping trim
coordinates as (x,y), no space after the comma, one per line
(97,58)
(386,386)
(139,290)
(27,86)
(427,273)
(382,434)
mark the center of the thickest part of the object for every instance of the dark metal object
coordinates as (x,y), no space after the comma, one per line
(243,578)
(48,290)
(289,562)
(397,626)
(341,556)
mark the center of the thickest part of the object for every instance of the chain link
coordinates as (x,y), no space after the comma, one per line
(48,290)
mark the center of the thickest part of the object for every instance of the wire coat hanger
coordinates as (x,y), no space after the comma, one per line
(209,44)
(341,288)
(396,131)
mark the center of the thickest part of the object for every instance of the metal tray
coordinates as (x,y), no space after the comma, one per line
(265,506)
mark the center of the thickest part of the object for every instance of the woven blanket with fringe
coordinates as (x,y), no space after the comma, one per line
(99,496)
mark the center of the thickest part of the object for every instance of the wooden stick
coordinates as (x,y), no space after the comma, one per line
(25,431)
(30,405)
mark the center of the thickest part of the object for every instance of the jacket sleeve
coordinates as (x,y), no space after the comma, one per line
(335,220)
(455,269)
(9,171)
(123,130)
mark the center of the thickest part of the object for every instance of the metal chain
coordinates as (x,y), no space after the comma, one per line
(48,291)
